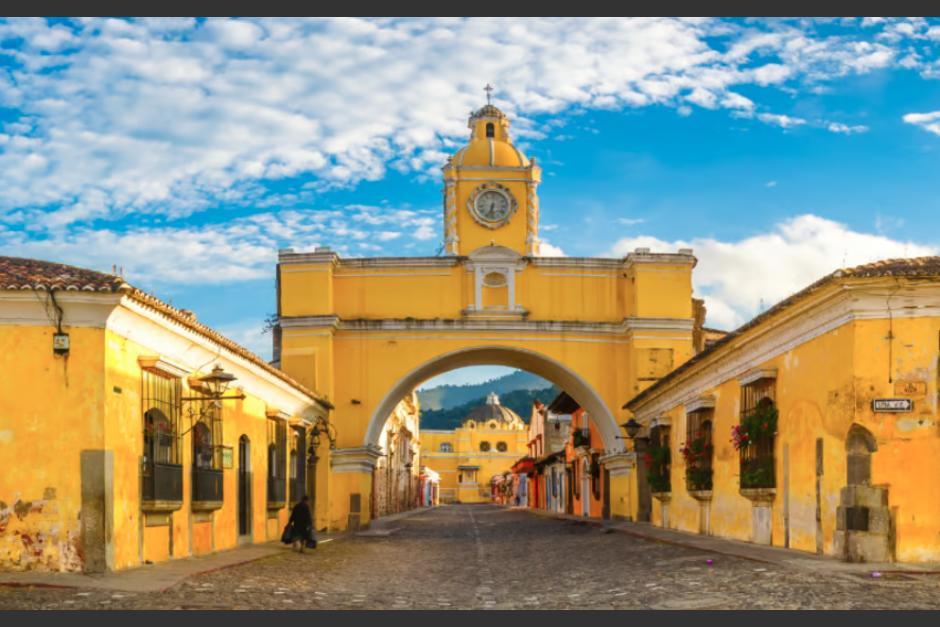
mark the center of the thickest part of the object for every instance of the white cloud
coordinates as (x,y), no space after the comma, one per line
(930,122)
(175,116)
(630,221)
(770,184)
(735,276)
(550,250)
(783,121)
(839,127)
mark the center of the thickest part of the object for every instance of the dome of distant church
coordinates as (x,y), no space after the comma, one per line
(493,415)
(489,144)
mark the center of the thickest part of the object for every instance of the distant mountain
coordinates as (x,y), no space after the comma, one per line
(450,396)
(520,401)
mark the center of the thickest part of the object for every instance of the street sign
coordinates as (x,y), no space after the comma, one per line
(892,405)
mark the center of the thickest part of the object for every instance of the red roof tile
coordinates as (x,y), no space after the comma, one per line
(17,273)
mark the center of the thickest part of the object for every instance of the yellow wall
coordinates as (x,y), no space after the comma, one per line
(53,409)
(823,386)
(50,411)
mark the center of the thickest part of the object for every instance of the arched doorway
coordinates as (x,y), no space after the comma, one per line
(244,489)
(863,518)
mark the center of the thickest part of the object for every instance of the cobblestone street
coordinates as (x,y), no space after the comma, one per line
(488,557)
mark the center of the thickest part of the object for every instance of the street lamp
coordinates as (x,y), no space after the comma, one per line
(217,381)
(631,427)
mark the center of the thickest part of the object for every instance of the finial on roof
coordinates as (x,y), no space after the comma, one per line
(489,90)
(492,399)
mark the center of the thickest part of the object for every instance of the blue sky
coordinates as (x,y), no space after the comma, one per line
(188,151)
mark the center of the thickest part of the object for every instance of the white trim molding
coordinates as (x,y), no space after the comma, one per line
(756,375)
(163,366)
(619,463)
(357,459)
(700,402)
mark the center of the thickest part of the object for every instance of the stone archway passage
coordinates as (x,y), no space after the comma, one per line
(536,363)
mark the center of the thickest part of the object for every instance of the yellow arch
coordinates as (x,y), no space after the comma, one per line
(537,363)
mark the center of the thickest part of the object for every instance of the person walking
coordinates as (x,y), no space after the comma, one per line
(301,524)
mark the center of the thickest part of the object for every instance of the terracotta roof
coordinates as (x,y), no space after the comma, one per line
(32,274)
(27,274)
(904,267)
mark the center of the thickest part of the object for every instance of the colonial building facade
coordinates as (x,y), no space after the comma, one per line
(467,458)
(814,426)
(397,470)
(367,331)
(132,433)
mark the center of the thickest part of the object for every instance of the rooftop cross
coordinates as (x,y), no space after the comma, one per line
(489,90)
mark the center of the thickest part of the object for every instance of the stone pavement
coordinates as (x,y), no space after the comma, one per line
(744,550)
(484,556)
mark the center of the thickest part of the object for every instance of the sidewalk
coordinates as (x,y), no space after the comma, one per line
(790,558)
(152,577)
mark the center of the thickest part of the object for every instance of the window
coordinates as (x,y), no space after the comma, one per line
(484,446)
(596,476)
(490,130)
(447,447)
(502,447)
(161,468)
(492,424)
(207,436)
(658,460)
(754,436)
(207,456)
(698,450)
(277,458)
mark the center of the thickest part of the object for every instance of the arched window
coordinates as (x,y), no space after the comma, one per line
(447,447)
(490,130)
(502,447)
(484,446)
(202,446)
(158,438)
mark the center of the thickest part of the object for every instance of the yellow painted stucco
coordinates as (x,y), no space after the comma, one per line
(365,332)
(58,414)
(833,353)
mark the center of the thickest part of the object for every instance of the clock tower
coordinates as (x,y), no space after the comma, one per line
(490,190)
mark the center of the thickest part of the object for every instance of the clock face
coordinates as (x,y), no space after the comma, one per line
(492,206)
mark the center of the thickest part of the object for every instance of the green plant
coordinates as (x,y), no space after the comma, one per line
(698,463)
(657,465)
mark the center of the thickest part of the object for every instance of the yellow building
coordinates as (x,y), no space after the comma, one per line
(115,451)
(368,331)
(395,478)
(486,444)
(835,389)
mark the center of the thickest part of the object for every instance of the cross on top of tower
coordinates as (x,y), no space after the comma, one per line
(489,90)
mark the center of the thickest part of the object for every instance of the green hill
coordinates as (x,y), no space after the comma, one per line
(451,396)
(520,401)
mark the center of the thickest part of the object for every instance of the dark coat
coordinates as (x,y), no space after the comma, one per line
(301,521)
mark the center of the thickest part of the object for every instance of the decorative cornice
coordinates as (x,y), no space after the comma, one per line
(162,366)
(756,375)
(619,462)
(358,459)
(699,402)
(487,324)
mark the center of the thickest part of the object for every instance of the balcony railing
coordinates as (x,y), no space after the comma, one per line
(162,486)
(207,488)
(581,437)
(277,486)
(757,464)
